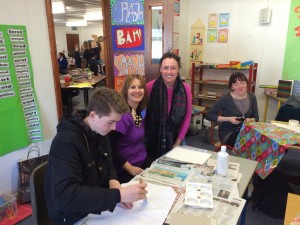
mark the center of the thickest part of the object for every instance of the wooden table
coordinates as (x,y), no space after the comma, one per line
(292,208)
(85,85)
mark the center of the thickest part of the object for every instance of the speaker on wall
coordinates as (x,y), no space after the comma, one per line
(265,16)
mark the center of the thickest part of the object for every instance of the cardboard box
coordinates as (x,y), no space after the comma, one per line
(8,206)
(196,119)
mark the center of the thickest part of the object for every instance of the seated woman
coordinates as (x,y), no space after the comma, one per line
(234,108)
(129,153)
(62,63)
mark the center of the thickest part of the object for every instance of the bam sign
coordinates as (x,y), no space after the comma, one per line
(128,38)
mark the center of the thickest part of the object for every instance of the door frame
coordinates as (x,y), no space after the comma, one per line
(168,9)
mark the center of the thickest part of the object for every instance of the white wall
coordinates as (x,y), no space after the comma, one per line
(85,34)
(32,14)
(248,39)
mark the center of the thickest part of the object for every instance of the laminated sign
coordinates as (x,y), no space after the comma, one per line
(19,112)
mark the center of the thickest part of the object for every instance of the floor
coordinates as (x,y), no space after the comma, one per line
(253,217)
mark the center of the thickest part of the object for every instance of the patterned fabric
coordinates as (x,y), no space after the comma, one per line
(265,143)
(162,129)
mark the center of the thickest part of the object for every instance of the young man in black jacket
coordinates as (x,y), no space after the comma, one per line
(80,178)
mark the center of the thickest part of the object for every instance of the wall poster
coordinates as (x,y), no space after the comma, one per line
(126,64)
(218,28)
(19,112)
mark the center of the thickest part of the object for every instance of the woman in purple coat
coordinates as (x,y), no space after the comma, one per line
(129,153)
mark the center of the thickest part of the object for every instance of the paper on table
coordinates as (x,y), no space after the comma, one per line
(81,85)
(189,156)
(153,211)
(286,126)
(179,219)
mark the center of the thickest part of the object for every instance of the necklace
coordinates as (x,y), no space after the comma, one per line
(137,119)
(241,108)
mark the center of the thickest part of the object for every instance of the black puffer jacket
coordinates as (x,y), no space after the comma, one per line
(78,172)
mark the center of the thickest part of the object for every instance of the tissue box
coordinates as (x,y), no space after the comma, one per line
(8,206)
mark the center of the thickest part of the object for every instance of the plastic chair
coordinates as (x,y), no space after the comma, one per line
(38,202)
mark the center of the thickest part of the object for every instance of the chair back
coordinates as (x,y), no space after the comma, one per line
(38,202)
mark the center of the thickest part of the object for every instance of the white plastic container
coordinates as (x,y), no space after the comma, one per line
(222,161)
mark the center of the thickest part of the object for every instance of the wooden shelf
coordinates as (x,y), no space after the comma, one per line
(198,79)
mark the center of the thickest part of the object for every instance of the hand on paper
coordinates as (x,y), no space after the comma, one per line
(177,143)
(133,193)
(132,170)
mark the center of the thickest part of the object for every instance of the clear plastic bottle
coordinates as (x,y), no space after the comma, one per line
(222,161)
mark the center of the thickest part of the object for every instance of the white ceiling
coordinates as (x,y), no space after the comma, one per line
(76,9)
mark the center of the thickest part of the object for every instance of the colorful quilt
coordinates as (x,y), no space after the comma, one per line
(265,143)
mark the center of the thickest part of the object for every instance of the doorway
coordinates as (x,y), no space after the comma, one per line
(72,40)
(150,69)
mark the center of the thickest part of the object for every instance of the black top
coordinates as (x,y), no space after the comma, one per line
(79,168)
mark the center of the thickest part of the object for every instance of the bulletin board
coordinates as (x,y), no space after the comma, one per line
(291,68)
(19,112)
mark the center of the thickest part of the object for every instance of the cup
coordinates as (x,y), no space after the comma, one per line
(294,123)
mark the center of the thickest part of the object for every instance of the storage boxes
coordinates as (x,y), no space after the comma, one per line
(8,206)
(196,119)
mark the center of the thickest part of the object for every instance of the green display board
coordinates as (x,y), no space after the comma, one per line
(291,66)
(20,122)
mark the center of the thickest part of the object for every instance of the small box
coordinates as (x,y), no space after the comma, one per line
(284,88)
(8,206)
(196,119)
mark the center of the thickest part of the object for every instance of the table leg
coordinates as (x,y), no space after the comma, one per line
(266,107)
(243,214)
(278,105)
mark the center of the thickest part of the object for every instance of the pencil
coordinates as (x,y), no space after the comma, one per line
(142,181)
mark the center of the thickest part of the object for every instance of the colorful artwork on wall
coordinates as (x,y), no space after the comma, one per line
(127,12)
(218,24)
(212,35)
(125,64)
(128,38)
(119,81)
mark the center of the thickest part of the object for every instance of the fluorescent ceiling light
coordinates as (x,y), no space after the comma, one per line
(77,23)
(94,15)
(58,7)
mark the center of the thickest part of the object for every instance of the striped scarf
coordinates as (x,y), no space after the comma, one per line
(161,129)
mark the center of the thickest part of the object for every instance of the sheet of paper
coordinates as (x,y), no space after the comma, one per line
(286,126)
(189,156)
(154,210)
(180,219)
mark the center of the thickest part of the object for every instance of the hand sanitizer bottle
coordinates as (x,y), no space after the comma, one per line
(222,161)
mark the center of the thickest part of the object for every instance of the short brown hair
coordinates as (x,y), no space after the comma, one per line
(126,86)
(237,76)
(104,100)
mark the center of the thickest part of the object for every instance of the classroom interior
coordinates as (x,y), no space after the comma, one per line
(248,40)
